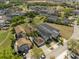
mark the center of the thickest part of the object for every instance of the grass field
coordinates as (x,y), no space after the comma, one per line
(6,52)
(65,31)
(3,34)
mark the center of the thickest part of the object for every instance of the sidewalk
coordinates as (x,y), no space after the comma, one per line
(46,51)
(62,56)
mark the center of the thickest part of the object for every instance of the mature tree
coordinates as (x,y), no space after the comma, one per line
(3,5)
(24,7)
(73,46)
(31,14)
(36,52)
(67,11)
(38,20)
(18,20)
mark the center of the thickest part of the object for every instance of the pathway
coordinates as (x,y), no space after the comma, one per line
(5,38)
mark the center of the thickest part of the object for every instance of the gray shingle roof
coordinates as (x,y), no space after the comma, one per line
(23,49)
(47,32)
(52,18)
(76,12)
(54,32)
(43,32)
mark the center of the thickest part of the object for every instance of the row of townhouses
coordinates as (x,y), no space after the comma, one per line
(42,0)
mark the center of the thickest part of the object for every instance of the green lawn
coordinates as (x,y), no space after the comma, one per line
(3,34)
(39,20)
(6,52)
(37,52)
(65,31)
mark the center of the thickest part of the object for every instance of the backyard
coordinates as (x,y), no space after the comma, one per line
(65,31)
(2,35)
(38,20)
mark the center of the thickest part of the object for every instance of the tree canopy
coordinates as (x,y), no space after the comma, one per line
(3,5)
(17,20)
(73,45)
(38,20)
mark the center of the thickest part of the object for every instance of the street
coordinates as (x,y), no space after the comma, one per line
(56,52)
(76,31)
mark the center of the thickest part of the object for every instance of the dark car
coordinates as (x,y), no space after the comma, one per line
(43,57)
(24,57)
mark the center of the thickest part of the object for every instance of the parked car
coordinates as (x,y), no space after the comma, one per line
(43,57)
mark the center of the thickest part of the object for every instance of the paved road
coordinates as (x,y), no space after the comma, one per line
(56,52)
(76,31)
(59,50)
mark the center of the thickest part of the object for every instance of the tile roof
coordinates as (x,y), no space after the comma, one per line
(19,29)
(23,41)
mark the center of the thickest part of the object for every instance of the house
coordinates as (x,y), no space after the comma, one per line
(39,41)
(55,32)
(55,19)
(52,12)
(52,19)
(42,10)
(38,7)
(2,11)
(3,1)
(14,11)
(13,14)
(66,21)
(22,44)
(75,12)
(47,32)
(3,22)
(19,32)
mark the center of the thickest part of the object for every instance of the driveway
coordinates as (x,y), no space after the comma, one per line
(62,55)
(55,52)
(46,51)
(28,55)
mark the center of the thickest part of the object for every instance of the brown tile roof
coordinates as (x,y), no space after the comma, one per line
(22,41)
(19,29)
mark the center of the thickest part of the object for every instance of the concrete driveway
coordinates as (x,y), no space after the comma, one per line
(55,52)
(46,51)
